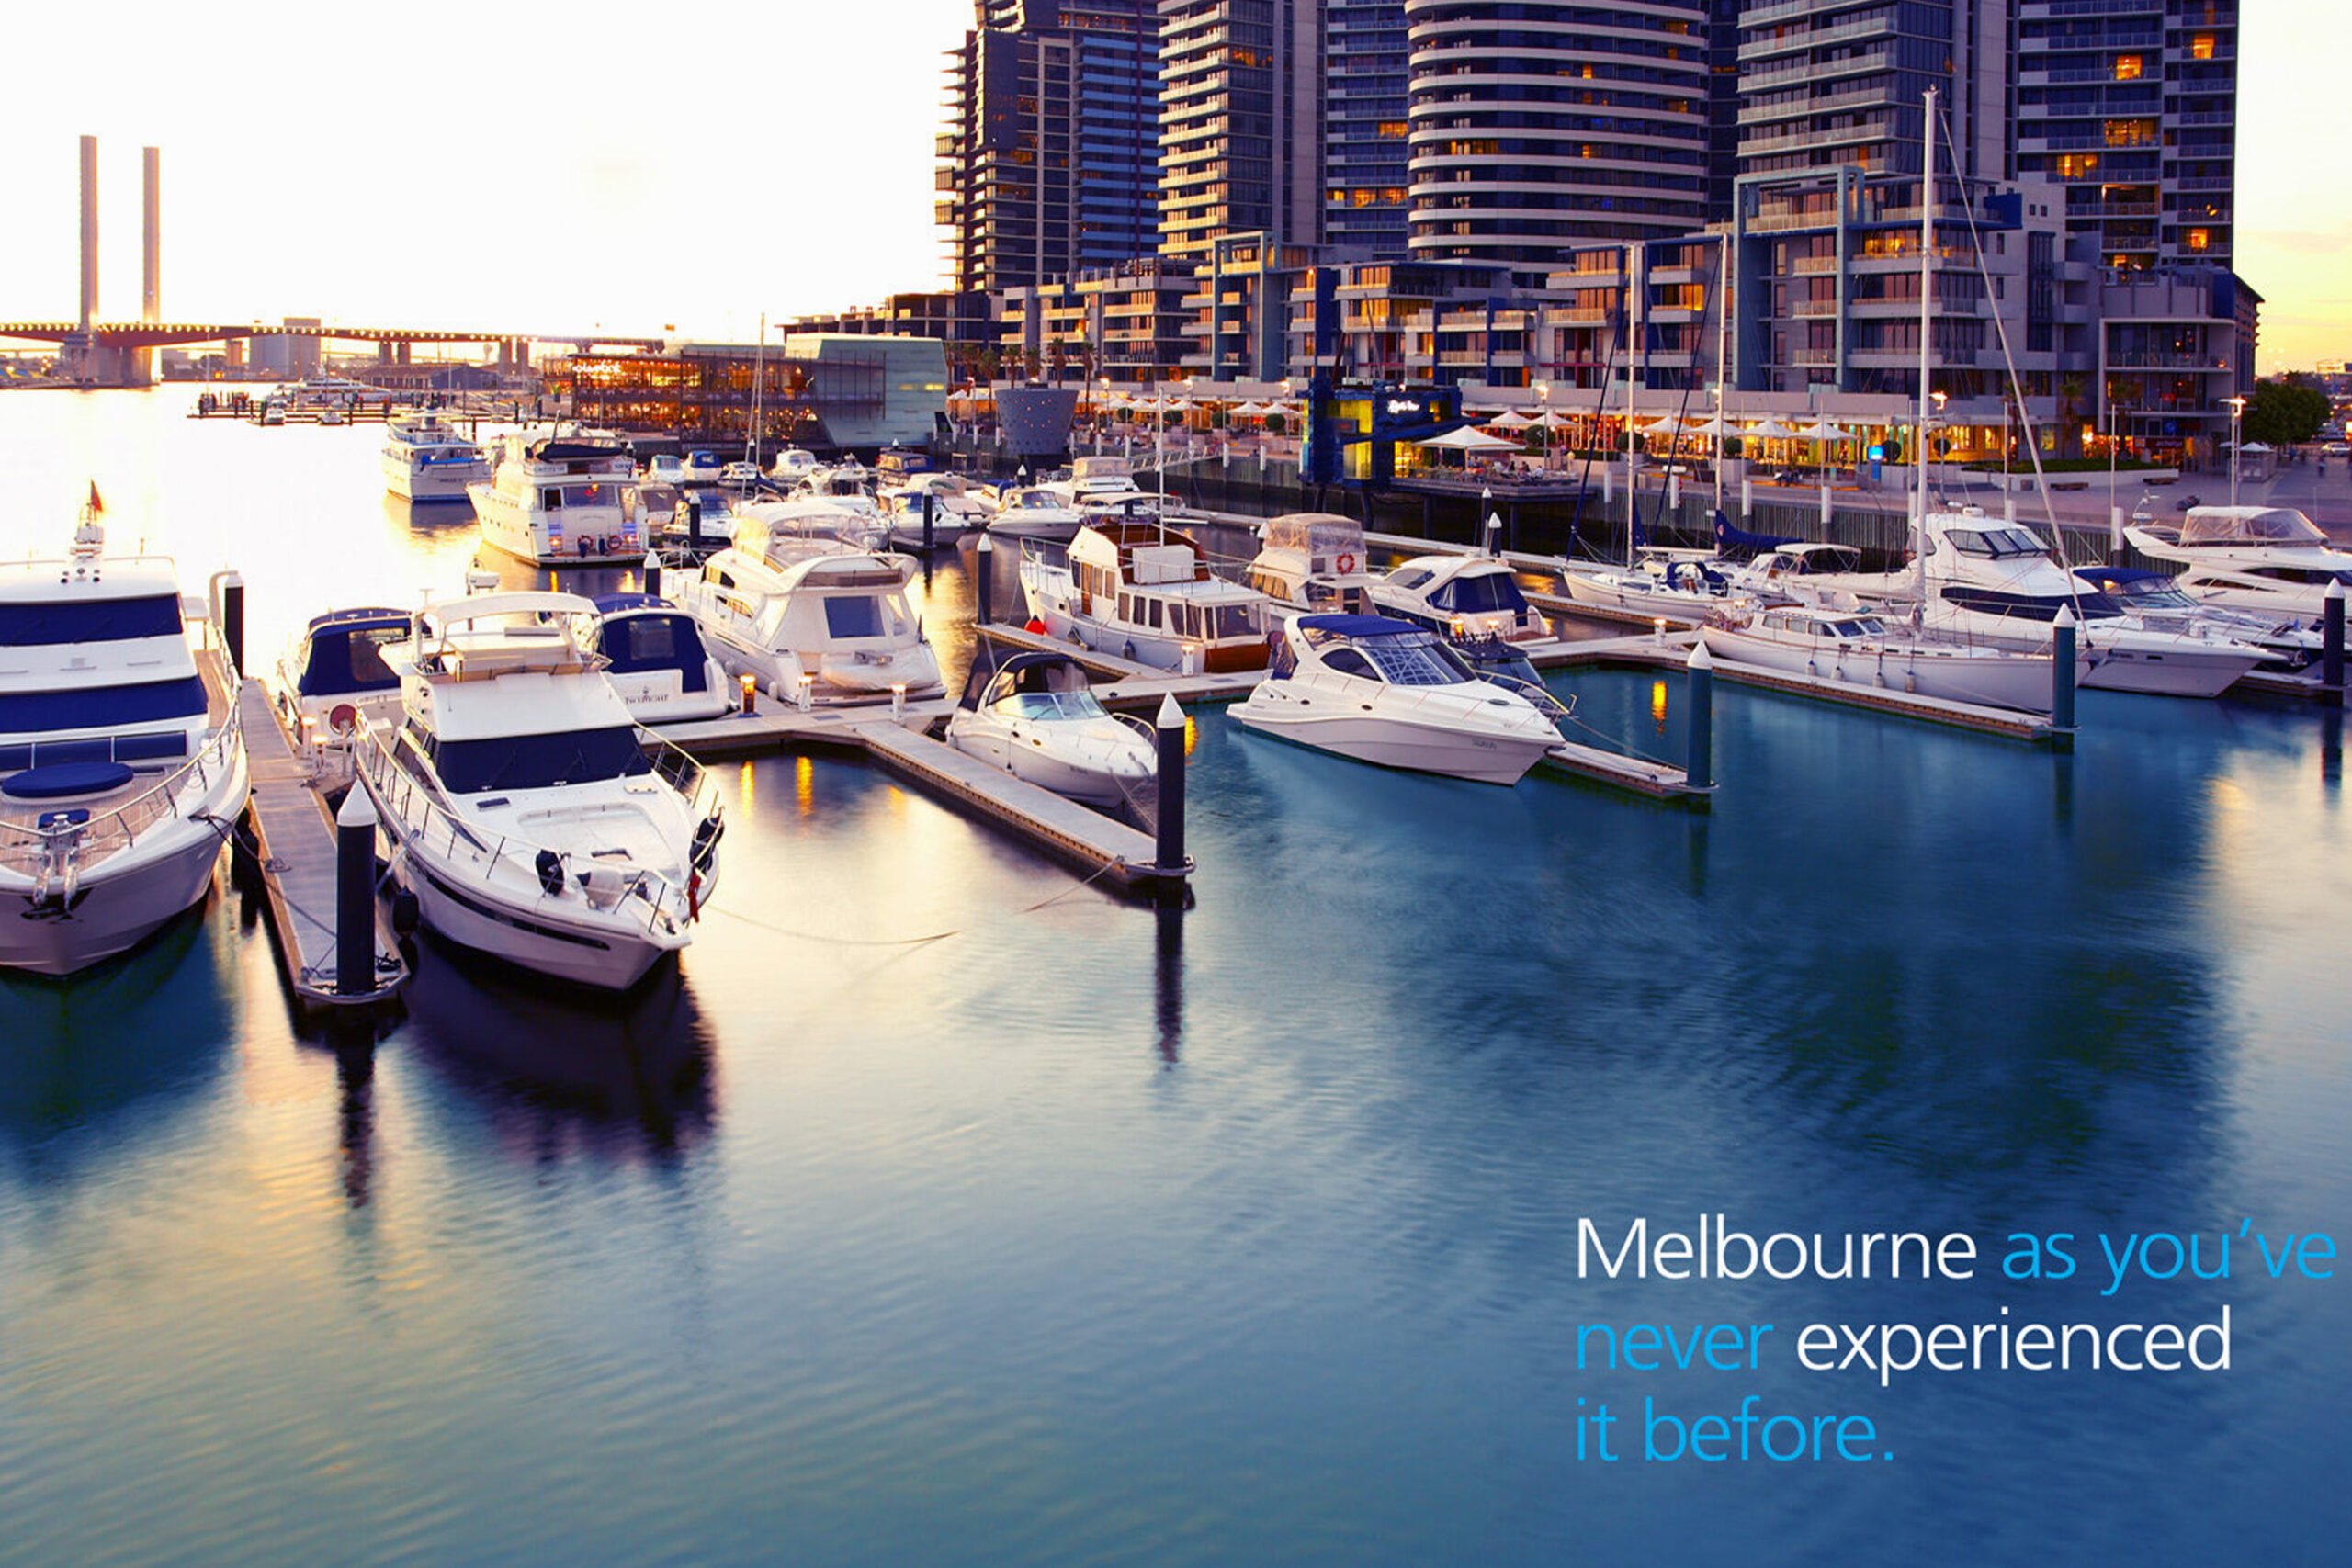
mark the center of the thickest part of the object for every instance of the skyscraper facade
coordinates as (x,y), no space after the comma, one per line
(1049,163)
(1365,80)
(1240,138)
(2132,106)
(1831,82)
(1537,125)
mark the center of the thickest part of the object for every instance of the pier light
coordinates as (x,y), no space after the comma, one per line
(750,697)
(1657,624)
(1192,656)
(807,690)
(897,699)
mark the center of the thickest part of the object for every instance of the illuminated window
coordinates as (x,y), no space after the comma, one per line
(2077,165)
(1392,128)
(2198,239)
(2127,68)
(2200,46)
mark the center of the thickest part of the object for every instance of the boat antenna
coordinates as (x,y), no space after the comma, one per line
(1926,328)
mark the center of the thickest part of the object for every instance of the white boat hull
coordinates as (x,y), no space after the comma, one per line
(610,537)
(1090,769)
(1392,742)
(122,899)
(111,912)
(1605,592)
(536,938)
(442,481)
(1987,679)
(2175,672)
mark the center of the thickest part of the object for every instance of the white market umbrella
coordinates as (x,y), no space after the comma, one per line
(1513,420)
(1822,430)
(1774,430)
(1469,439)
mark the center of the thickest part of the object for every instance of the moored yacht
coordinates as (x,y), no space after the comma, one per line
(2271,559)
(1675,585)
(1035,715)
(654,657)
(1034,511)
(1144,591)
(336,677)
(564,500)
(1860,648)
(426,458)
(785,609)
(1312,563)
(524,810)
(1395,694)
(1465,596)
(121,766)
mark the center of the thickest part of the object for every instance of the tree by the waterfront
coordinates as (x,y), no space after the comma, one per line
(2284,412)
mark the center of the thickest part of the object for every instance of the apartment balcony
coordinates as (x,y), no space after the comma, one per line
(1843,135)
(1855,98)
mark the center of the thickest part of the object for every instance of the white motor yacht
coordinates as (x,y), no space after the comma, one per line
(1675,585)
(785,609)
(654,657)
(336,677)
(564,500)
(1034,511)
(953,505)
(1034,715)
(1312,563)
(1143,590)
(123,769)
(522,808)
(2155,599)
(1988,580)
(2271,559)
(426,458)
(792,464)
(1860,648)
(1468,596)
(1394,693)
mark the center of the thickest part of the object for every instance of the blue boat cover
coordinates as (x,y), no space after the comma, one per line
(1360,626)
(59,779)
(98,707)
(617,604)
(373,613)
(36,624)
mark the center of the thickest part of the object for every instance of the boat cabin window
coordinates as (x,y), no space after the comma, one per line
(1220,621)
(2086,606)
(1481,594)
(853,615)
(1348,662)
(1994,544)
(1412,578)
(539,761)
(40,625)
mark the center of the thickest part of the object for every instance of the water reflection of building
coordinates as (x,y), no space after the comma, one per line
(819,391)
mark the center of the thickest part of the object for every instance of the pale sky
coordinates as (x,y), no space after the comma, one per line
(551,170)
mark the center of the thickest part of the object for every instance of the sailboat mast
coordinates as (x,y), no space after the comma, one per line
(1926,334)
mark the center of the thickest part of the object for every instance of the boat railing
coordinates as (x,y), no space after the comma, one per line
(517,864)
(30,849)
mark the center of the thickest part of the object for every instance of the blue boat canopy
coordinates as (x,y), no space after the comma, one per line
(1360,626)
(639,634)
(622,603)
(344,652)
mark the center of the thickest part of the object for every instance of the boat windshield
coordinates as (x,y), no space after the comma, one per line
(2271,526)
(1472,596)
(540,761)
(1052,704)
(1417,661)
(1995,544)
(2148,593)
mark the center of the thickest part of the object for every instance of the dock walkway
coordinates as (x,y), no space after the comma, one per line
(294,840)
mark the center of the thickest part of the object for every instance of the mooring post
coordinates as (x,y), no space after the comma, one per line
(2331,645)
(983,560)
(1699,768)
(2062,673)
(1746,498)
(652,575)
(233,619)
(930,504)
(355,894)
(1170,727)
(694,523)
(1493,531)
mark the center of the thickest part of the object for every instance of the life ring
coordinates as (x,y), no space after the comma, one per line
(1347,565)
(344,718)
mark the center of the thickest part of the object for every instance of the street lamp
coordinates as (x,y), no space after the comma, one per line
(2237,410)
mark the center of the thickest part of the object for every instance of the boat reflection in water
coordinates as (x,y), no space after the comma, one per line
(619,1076)
(149,1024)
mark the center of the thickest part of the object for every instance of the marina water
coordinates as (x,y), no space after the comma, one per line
(938,1208)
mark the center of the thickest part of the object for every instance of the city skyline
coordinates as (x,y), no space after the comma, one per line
(685,196)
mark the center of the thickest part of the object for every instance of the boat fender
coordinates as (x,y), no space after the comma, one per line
(404,912)
(1035,626)
(707,832)
(1347,564)
(587,546)
(549,865)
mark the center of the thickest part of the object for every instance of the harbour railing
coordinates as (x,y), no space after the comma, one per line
(45,841)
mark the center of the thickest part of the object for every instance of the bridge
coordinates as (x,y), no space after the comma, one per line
(116,354)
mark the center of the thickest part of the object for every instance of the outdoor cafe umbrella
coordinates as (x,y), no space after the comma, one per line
(1821,432)
(1469,439)
(1512,419)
